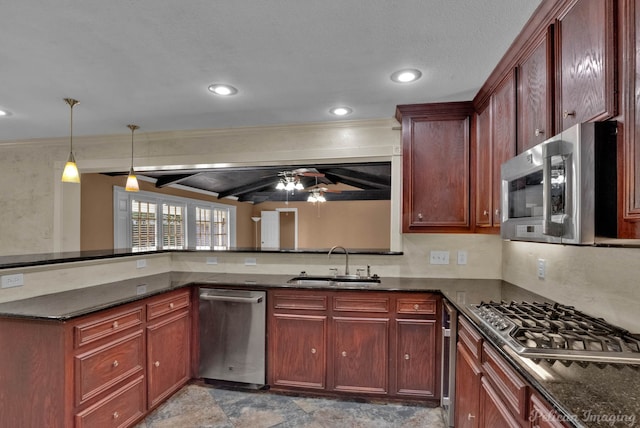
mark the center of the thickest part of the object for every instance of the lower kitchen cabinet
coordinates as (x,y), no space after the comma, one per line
(301,362)
(105,369)
(361,354)
(489,393)
(382,344)
(168,356)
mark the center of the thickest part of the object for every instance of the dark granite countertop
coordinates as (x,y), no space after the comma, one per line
(30,260)
(585,396)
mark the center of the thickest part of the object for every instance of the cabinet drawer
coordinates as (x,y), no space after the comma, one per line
(360,304)
(105,366)
(302,301)
(119,409)
(167,305)
(105,326)
(416,305)
(469,337)
(511,387)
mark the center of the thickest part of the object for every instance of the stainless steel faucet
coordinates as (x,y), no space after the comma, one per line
(346,253)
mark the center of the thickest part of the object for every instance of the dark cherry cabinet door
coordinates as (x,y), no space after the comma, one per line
(535,96)
(483,156)
(416,357)
(587,63)
(168,356)
(503,137)
(493,412)
(361,354)
(298,350)
(436,147)
(468,374)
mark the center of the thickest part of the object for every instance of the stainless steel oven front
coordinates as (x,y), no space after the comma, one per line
(448,369)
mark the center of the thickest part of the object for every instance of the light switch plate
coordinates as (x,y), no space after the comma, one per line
(141,289)
(462,257)
(15,280)
(250,261)
(142,263)
(439,257)
(212,260)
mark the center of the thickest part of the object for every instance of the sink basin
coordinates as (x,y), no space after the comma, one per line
(334,281)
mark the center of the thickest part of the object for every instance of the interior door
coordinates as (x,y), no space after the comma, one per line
(270,230)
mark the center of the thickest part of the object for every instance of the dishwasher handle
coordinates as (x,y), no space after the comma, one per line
(236,299)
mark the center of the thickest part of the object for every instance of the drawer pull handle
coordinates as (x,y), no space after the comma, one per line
(470,416)
(116,415)
(171,305)
(344,353)
(115,324)
(485,213)
(157,364)
(567,113)
(313,350)
(115,363)
(416,306)
(538,131)
(406,356)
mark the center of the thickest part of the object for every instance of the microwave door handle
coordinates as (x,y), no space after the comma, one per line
(549,150)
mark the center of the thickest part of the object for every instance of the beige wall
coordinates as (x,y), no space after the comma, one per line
(604,282)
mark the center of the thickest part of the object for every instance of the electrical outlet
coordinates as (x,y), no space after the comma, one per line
(250,261)
(9,281)
(142,263)
(212,260)
(439,257)
(461,297)
(462,257)
(542,268)
(141,289)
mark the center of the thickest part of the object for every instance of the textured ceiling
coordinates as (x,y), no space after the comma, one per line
(150,62)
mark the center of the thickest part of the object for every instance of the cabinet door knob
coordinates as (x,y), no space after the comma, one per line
(344,353)
(497,213)
(567,113)
(420,216)
(485,213)
(538,132)
(115,363)
(313,350)
(115,324)
(470,416)
(406,356)
(416,307)
(116,415)
(157,364)
(171,305)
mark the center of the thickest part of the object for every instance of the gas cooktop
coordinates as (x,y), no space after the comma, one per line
(546,331)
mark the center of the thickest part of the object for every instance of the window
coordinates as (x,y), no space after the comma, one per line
(143,226)
(173,235)
(185,222)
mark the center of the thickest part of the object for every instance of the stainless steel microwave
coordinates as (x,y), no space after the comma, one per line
(564,190)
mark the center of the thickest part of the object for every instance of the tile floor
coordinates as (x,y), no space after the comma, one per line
(203,406)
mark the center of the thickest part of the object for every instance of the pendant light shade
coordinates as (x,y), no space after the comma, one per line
(132,180)
(70,173)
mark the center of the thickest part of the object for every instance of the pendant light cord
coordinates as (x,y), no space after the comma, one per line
(132,128)
(71,103)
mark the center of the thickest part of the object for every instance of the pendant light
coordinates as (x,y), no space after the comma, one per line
(132,181)
(70,173)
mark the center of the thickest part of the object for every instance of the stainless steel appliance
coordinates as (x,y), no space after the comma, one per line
(232,335)
(448,364)
(564,189)
(545,331)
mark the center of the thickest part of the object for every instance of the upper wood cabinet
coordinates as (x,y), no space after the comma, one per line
(495,143)
(586,63)
(435,150)
(535,93)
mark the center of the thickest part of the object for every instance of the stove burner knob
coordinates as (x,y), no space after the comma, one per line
(503,326)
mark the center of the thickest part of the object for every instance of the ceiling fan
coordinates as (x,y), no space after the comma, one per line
(290,180)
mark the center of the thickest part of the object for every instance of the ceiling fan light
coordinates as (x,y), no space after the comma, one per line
(280,185)
(321,198)
(312,198)
(70,173)
(299,186)
(132,182)
(290,186)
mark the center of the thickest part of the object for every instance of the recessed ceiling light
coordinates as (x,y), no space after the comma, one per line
(341,111)
(4,113)
(406,76)
(222,89)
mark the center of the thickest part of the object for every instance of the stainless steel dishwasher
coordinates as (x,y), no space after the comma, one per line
(232,335)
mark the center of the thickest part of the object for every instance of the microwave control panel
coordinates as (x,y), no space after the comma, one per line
(529,231)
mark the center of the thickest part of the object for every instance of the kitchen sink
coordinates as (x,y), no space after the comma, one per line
(335,281)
